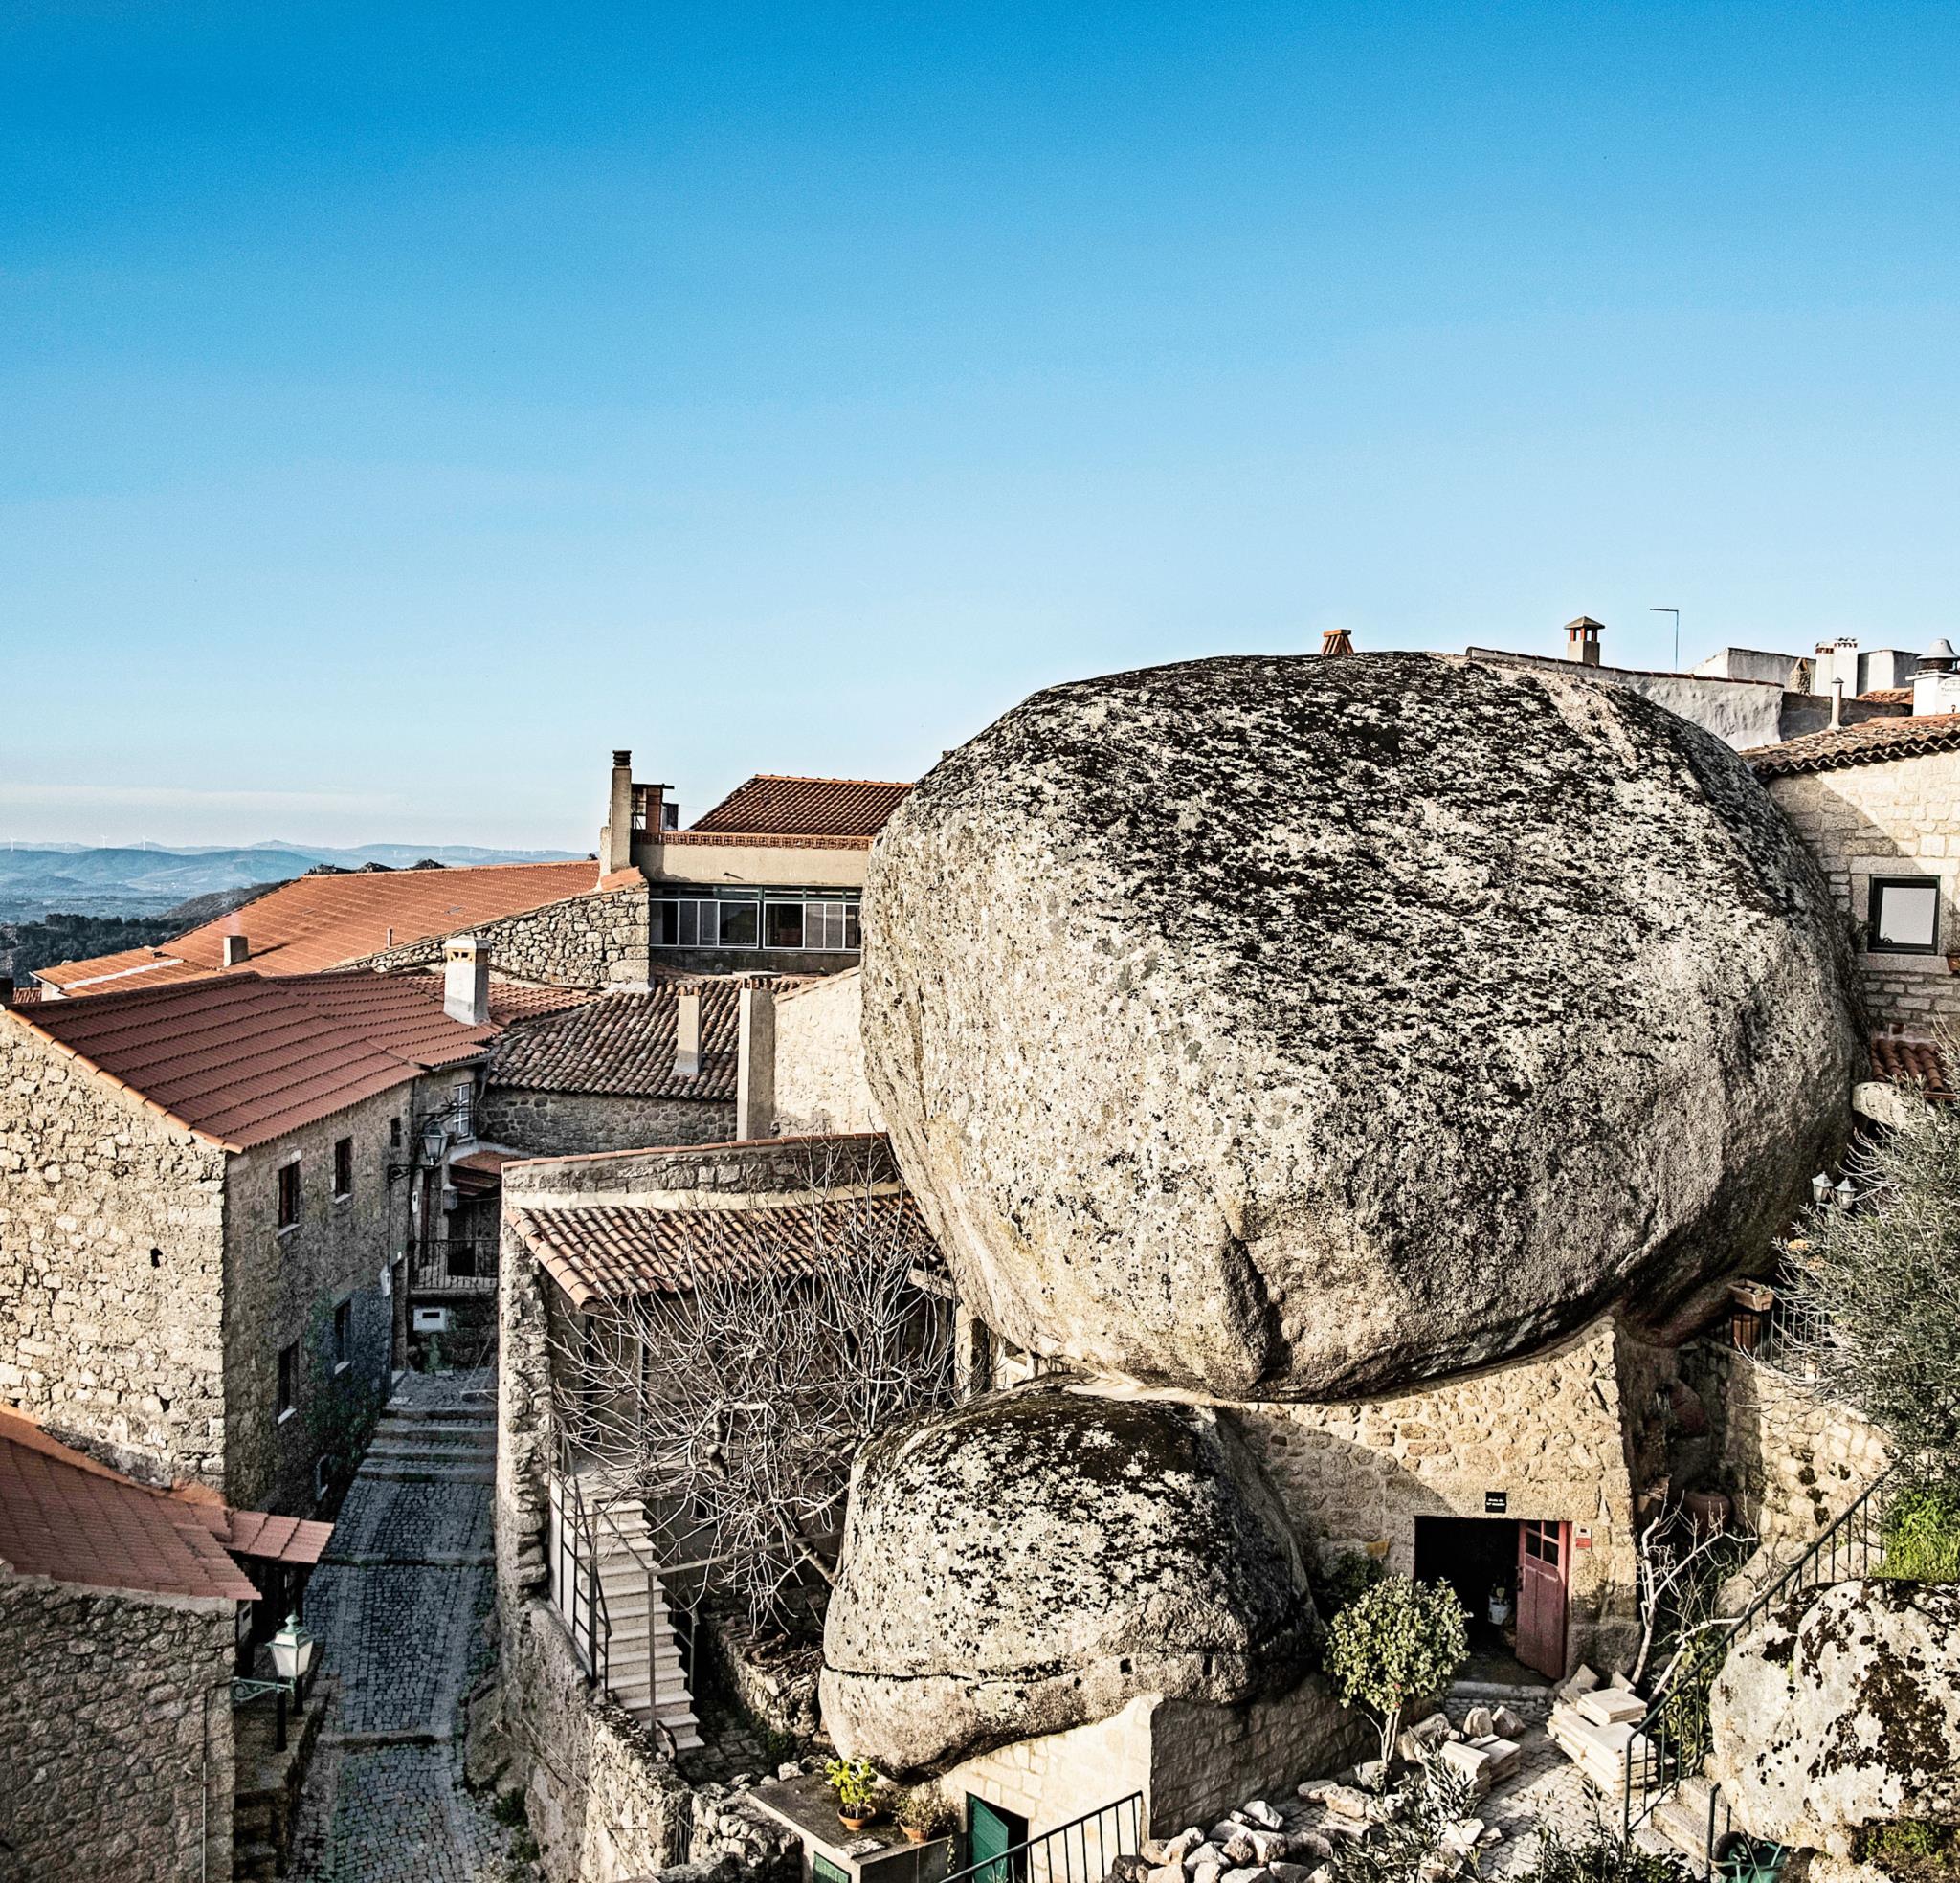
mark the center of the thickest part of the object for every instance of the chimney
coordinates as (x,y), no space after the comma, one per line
(687,1035)
(1336,640)
(6,991)
(615,840)
(1936,686)
(236,951)
(1836,704)
(1582,640)
(466,981)
(755,1065)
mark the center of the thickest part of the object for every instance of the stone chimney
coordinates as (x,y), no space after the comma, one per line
(6,991)
(1582,640)
(687,1035)
(236,951)
(615,840)
(466,981)
(1336,640)
(1936,686)
(755,1065)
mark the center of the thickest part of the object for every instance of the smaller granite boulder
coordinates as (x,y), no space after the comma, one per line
(1033,1561)
(1841,1710)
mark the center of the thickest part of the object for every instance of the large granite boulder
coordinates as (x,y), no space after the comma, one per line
(1841,1710)
(1033,1559)
(1301,1028)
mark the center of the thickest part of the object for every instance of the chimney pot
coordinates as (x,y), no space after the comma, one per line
(1336,640)
(236,951)
(1582,640)
(622,757)
(466,981)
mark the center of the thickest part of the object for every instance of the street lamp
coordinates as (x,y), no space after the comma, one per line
(292,1657)
(1821,1191)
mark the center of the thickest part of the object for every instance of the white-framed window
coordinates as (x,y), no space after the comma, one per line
(289,1195)
(288,1381)
(1903,916)
(343,1336)
(827,923)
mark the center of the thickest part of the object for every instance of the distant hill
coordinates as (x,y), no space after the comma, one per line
(37,880)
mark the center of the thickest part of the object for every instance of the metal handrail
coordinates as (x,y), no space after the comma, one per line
(582,1560)
(1016,1864)
(1674,1735)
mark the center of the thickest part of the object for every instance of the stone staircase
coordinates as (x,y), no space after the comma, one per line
(1682,1818)
(645,1669)
(434,1444)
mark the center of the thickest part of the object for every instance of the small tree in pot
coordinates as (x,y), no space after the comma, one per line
(1400,1642)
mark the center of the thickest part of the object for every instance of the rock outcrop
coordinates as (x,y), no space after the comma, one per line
(1298,1028)
(1841,1710)
(1033,1559)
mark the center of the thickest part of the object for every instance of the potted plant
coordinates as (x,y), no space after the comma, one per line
(857,1786)
(924,1813)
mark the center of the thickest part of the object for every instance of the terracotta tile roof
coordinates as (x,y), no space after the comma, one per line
(1871,743)
(775,807)
(1911,1062)
(513,1000)
(1887,696)
(602,1251)
(317,922)
(241,1059)
(67,1518)
(622,1044)
(276,1538)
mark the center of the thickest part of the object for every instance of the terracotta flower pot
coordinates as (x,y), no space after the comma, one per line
(852,1824)
(913,1836)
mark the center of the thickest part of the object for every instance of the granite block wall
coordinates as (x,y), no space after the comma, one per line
(820,1083)
(115,1734)
(565,1124)
(594,941)
(1895,819)
(111,1267)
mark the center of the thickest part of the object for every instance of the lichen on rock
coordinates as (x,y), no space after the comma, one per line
(1033,1559)
(1302,1028)
(1840,1710)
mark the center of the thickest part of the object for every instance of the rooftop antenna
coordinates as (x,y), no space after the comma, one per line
(1675,613)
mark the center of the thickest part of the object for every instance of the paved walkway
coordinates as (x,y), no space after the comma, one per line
(401,1604)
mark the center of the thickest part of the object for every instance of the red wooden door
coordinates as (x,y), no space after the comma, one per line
(1542,1552)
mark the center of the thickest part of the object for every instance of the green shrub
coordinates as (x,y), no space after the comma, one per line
(1923,1535)
(1602,1854)
(1911,1852)
(1349,1576)
(1395,1644)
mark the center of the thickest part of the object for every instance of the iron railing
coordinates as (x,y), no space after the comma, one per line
(453,1265)
(1672,1740)
(1788,1334)
(1062,1855)
(575,1591)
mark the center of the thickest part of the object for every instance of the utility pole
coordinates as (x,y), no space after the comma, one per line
(1675,613)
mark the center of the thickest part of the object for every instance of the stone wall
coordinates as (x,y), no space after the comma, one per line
(1547,1432)
(1792,1459)
(111,1267)
(1191,1761)
(1895,819)
(115,1734)
(599,939)
(564,1123)
(820,1083)
(763,1165)
(281,1287)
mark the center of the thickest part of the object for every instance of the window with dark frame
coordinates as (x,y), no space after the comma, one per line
(344,1167)
(343,1336)
(289,1379)
(289,1194)
(1904,916)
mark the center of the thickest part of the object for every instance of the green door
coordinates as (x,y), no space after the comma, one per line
(991,1834)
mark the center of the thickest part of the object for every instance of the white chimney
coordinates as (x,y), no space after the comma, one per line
(1936,686)
(1582,640)
(687,1035)
(466,981)
(236,951)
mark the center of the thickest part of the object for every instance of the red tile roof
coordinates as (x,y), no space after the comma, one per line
(241,1059)
(275,1539)
(1871,743)
(317,922)
(769,806)
(70,1519)
(1911,1062)
(622,1044)
(602,1251)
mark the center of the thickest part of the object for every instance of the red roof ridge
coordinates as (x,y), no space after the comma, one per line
(811,778)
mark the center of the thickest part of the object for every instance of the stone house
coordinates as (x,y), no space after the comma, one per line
(557,924)
(205,1217)
(122,1611)
(595,1593)
(1878,806)
(765,881)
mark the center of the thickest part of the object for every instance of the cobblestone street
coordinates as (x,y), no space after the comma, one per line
(400,1603)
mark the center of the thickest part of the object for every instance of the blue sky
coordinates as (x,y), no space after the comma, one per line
(406,403)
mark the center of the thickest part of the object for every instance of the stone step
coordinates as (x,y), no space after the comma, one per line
(255,1862)
(435,1453)
(404,1472)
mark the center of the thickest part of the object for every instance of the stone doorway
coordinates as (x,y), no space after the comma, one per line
(1477,1557)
